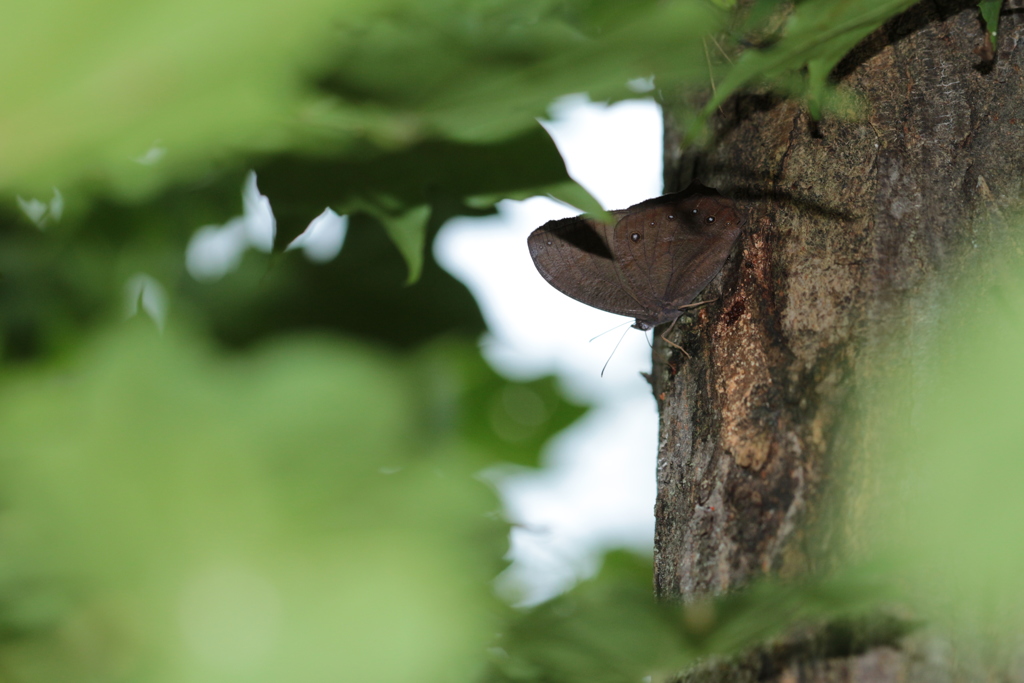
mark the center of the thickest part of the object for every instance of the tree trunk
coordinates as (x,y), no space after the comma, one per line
(857,227)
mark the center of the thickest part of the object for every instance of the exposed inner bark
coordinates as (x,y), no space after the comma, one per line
(858,225)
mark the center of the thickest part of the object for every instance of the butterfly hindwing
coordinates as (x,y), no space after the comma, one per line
(671,249)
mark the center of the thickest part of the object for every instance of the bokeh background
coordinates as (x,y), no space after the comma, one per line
(281,391)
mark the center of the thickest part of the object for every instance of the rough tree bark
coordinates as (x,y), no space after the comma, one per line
(856,227)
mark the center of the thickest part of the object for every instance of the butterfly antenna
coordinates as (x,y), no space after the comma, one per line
(613,350)
(611,329)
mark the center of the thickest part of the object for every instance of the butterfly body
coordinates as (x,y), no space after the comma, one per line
(653,261)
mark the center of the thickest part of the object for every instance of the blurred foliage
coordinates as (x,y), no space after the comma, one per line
(283,486)
(89,89)
(174,514)
(445,176)
(126,101)
(797,45)
(990,14)
(800,55)
(510,421)
(69,276)
(473,70)
(949,514)
(610,628)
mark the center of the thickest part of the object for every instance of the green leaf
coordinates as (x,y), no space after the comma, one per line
(505,421)
(395,188)
(407,231)
(173,514)
(128,99)
(574,194)
(949,514)
(482,72)
(405,226)
(129,96)
(606,630)
(610,628)
(568,192)
(818,34)
(990,13)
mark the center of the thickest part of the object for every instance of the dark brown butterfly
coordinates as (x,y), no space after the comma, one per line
(651,263)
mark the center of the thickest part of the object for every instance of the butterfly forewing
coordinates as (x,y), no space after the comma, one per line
(575,257)
(656,259)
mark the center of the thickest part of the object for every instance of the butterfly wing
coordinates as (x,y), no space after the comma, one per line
(669,248)
(575,256)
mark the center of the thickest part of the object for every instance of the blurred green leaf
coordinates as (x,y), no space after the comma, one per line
(506,421)
(568,192)
(949,514)
(58,283)
(450,177)
(573,194)
(173,515)
(817,35)
(407,231)
(347,85)
(131,95)
(128,100)
(474,71)
(360,293)
(610,628)
(990,13)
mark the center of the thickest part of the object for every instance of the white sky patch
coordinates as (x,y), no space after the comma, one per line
(322,240)
(641,84)
(595,493)
(43,213)
(216,250)
(259,221)
(613,151)
(145,292)
(598,486)
(152,156)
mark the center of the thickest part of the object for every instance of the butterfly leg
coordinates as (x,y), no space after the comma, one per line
(665,339)
(670,342)
(695,304)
